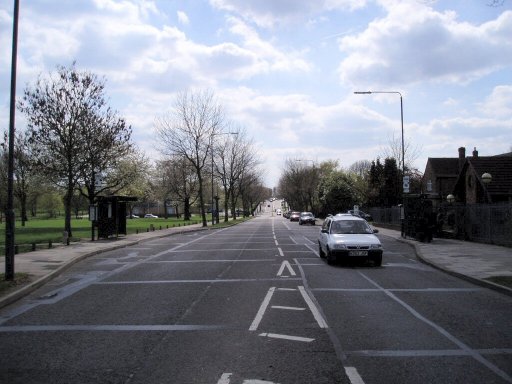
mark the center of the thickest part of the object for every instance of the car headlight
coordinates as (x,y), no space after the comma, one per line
(375,246)
(339,246)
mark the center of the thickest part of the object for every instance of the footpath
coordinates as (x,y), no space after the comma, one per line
(475,262)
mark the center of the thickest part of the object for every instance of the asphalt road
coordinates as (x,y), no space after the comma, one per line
(254,304)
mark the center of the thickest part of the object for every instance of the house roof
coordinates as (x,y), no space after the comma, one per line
(447,166)
(500,168)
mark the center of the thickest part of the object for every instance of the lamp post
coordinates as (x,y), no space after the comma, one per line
(9,211)
(213,196)
(403,146)
(401,118)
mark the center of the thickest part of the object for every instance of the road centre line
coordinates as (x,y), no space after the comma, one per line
(110,328)
(427,352)
(316,313)
(263,308)
(280,252)
(212,281)
(471,352)
(211,261)
(426,290)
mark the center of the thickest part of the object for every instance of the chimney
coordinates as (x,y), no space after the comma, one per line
(462,158)
(475,153)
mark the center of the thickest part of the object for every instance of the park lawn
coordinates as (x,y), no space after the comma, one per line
(42,231)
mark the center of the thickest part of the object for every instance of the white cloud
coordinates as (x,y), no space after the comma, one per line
(270,13)
(183,18)
(499,103)
(414,43)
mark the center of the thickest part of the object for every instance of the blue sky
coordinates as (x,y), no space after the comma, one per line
(286,70)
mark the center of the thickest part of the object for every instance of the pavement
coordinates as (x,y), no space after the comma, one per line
(475,262)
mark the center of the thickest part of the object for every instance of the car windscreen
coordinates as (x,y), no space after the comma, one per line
(350,227)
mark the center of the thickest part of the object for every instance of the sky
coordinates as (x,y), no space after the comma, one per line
(286,70)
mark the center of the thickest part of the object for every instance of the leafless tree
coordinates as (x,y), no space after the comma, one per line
(189,130)
(394,151)
(235,157)
(68,122)
(179,183)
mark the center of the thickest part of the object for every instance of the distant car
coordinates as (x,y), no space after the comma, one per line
(278,212)
(287,214)
(132,217)
(307,218)
(345,237)
(361,214)
(294,216)
(150,216)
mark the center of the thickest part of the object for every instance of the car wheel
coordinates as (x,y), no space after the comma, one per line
(377,261)
(320,251)
(331,260)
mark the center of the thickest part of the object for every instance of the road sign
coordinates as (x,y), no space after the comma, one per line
(406,184)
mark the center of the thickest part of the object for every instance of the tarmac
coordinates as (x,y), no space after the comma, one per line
(475,262)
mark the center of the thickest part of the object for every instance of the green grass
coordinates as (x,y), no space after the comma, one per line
(506,281)
(43,231)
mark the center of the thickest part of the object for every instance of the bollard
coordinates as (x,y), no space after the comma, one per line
(49,244)
(16,249)
(137,231)
(33,247)
(65,238)
(160,227)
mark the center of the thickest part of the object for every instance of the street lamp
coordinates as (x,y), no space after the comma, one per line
(213,196)
(403,146)
(401,117)
(9,211)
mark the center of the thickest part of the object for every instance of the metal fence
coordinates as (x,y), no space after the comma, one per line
(482,223)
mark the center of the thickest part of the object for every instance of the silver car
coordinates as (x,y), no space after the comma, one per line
(346,237)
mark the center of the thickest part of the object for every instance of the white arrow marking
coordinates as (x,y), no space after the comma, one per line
(286,264)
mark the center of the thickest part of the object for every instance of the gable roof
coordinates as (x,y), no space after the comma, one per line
(500,168)
(444,166)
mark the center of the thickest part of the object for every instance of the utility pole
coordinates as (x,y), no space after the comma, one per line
(9,212)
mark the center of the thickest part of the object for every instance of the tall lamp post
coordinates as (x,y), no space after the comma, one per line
(213,196)
(9,212)
(403,146)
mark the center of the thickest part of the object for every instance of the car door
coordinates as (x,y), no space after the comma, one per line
(324,234)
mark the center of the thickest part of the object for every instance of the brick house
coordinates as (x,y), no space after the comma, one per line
(471,189)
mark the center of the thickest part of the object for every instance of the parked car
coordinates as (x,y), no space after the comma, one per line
(278,212)
(287,214)
(307,218)
(346,237)
(361,214)
(294,216)
(132,217)
(150,216)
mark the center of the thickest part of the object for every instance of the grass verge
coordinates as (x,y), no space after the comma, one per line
(506,281)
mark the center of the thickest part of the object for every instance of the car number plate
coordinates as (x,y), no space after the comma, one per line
(358,253)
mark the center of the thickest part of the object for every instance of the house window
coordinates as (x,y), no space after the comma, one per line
(429,186)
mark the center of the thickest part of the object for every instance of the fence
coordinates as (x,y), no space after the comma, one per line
(482,223)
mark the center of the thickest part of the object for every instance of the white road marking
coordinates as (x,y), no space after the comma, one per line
(290,308)
(316,313)
(287,337)
(280,252)
(286,289)
(286,264)
(224,379)
(261,311)
(276,242)
(353,375)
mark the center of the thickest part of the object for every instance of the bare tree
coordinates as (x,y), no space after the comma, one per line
(394,151)
(180,184)
(189,130)
(62,110)
(235,157)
